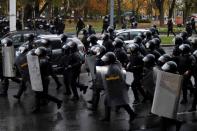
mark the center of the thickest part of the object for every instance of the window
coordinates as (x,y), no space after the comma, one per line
(125,35)
(134,34)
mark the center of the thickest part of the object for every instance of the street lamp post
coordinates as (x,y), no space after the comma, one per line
(12,14)
(111,12)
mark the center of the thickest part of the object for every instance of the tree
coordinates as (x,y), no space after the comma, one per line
(160,6)
(171,8)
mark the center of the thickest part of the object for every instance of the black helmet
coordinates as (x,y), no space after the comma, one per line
(120,37)
(63,37)
(110,29)
(157,42)
(6,42)
(137,40)
(154,25)
(99,50)
(185,48)
(149,60)
(133,48)
(178,41)
(163,59)
(170,66)
(152,30)
(142,35)
(105,36)
(150,45)
(148,34)
(30,37)
(109,58)
(66,49)
(44,42)
(73,46)
(184,35)
(85,32)
(92,39)
(23,49)
(41,51)
(118,43)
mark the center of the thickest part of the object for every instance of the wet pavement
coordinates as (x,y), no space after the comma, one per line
(74,116)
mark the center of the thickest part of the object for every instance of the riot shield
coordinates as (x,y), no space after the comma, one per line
(91,63)
(8,55)
(113,80)
(34,72)
(57,52)
(167,94)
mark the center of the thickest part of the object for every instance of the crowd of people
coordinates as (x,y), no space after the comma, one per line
(144,57)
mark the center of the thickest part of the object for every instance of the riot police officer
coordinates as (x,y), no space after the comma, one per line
(9,71)
(148,37)
(194,102)
(22,67)
(184,36)
(64,38)
(30,42)
(138,40)
(99,51)
(92,40)
(45,43)
(162,60)
(74,67)
(135,66)
(45,71)
(153,31)
(166,123)
(118,95)
(148,80)
(177,42)
(185,64)
(120,52)
(158,48)
(150,46)
(84,39)
(107,42)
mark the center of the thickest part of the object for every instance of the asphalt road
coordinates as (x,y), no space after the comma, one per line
(74,116)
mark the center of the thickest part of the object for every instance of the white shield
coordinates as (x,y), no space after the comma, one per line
(91,64)
(116,91)
(167,94)
(34,72)
(8,55)
(57,52)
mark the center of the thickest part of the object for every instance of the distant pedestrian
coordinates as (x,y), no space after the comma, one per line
(80,26)
(105,24)
(193,25)
(170,27)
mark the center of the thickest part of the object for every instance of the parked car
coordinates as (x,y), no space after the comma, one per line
(128,34)
(19,37)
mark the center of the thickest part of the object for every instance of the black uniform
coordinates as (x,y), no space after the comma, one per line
(185,63)
(45,70)
(135,65)
(80,26)
(121,56)
(22,67)
(170,27)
